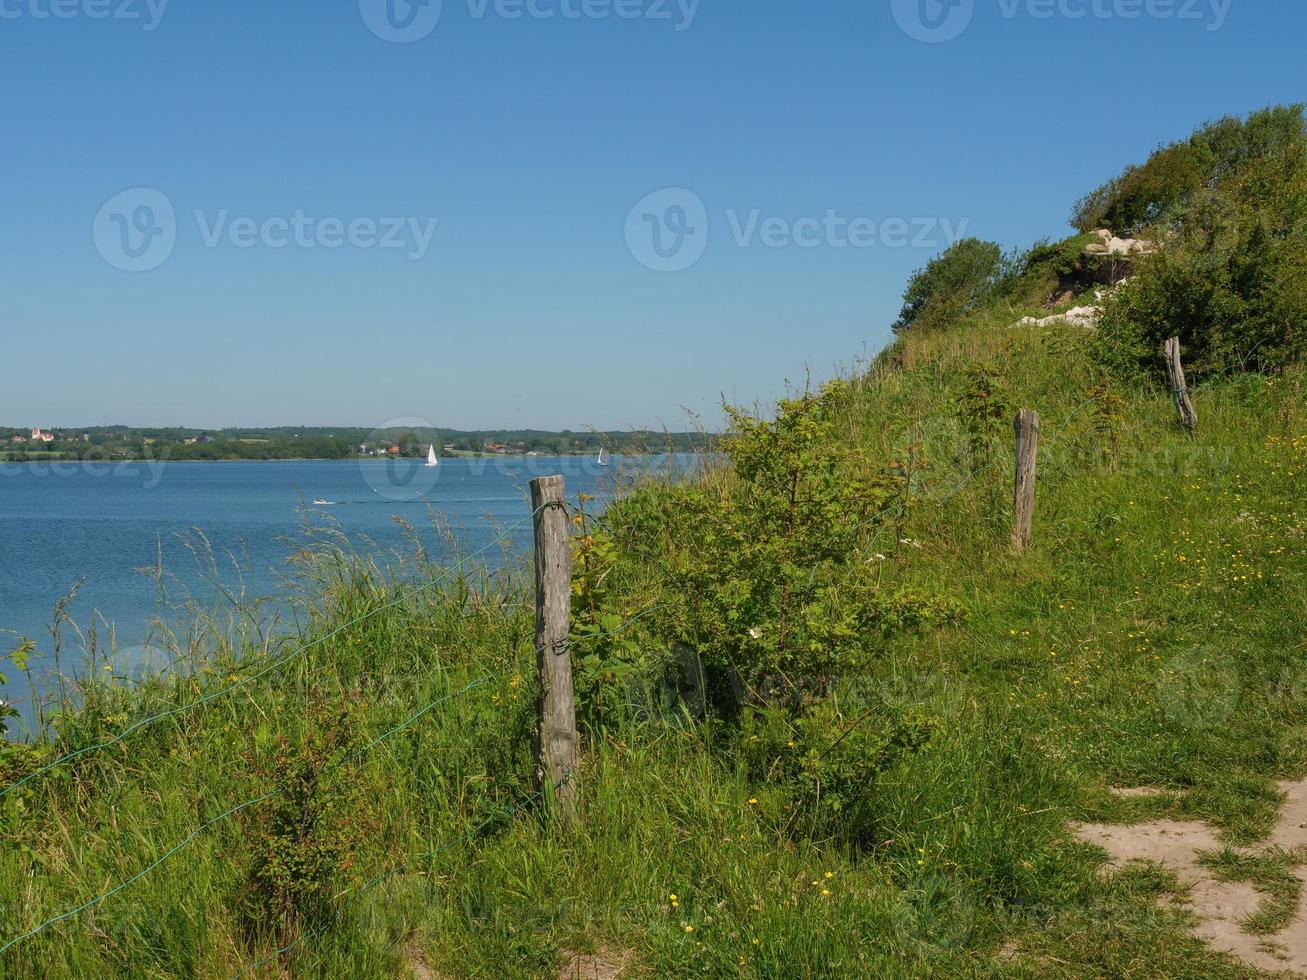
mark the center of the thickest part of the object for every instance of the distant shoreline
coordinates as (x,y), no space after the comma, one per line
(327,459)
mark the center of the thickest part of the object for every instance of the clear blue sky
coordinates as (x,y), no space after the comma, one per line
(530,140)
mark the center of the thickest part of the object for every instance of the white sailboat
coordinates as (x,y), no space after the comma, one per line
(603,457)
(432,458)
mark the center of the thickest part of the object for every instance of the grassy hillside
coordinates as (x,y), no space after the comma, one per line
(924,714)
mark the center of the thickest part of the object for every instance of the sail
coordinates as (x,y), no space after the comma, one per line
(432,460)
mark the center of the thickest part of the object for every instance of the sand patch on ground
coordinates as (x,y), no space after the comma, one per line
(1220,908)
(418,965)
(606,964)
(1142,792)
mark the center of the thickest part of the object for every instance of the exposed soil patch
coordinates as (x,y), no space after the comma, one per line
(607,964)
(1142,792)
(1291,829)
(418,965)
(1220,908)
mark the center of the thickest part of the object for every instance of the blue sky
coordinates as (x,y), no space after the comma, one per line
(529,140)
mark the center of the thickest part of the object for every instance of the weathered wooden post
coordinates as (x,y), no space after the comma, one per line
(556,740)
(1023,501)
(1179,389)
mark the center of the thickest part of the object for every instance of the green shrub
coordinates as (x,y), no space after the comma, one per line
(1150,193)
(774,574)
(820,765)
(984,408)
(1048,267)
(302,839)
(1231,282)
(951,284)
(1230,279)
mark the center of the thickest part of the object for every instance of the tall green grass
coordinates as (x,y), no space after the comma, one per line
(1153,635)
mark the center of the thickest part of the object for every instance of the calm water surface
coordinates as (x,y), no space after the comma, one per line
(104,523)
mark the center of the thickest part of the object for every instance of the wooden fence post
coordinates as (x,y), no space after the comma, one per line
(1023,501)
(1179,389)
(556,740)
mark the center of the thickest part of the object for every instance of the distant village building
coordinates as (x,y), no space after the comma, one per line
(39,436)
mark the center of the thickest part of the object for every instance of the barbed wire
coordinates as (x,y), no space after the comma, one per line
(232,811)
(245,681)
(394,872)
(901,506)
(352,756)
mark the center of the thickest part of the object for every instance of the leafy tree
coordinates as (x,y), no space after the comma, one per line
(951,283)
(1231,278)
(1151,192)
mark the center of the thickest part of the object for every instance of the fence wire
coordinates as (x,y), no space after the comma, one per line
(232,811)
(899,506)
(385,876)
(269,668)
(346,760)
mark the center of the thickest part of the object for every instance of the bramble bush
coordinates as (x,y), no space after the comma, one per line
(605,658)
(770,575)
(819,765)
(984,408)
(773,579)
(304,839)
(1231,277)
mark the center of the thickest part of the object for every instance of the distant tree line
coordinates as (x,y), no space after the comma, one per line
(299,442)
